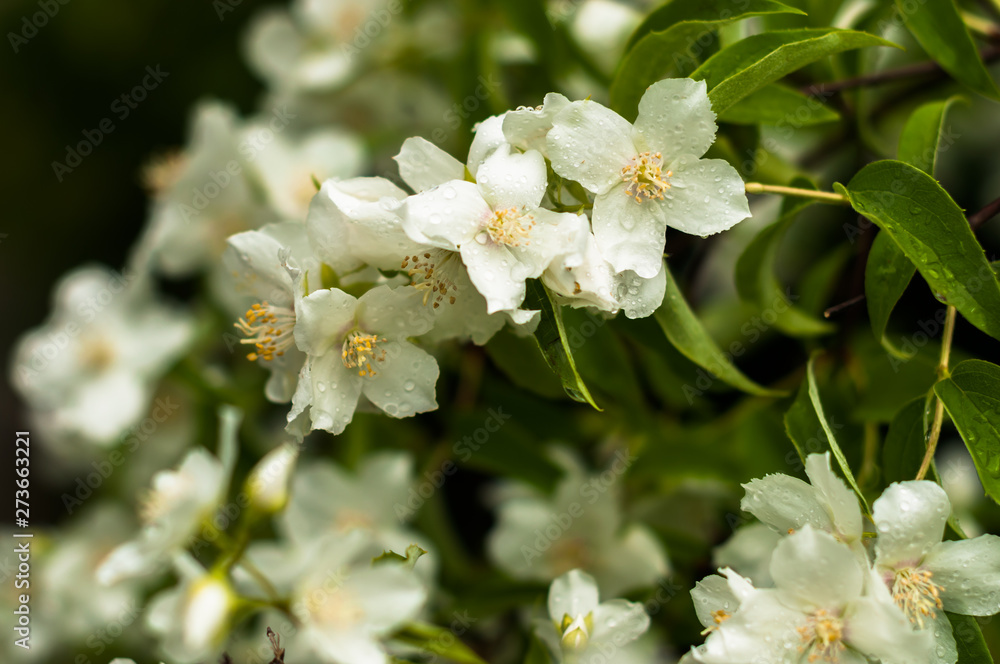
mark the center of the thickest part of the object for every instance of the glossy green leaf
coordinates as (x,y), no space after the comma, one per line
(554,344)
(806,423)
(413,553)
(737,71)
(923,220)
(686,333)
(889,271)
(971,395)
(940,30)
(779,105)
(518,359)
(757,284)
(678,11)
(671,43)
(969,641)
(904,446)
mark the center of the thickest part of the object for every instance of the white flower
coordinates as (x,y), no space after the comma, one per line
(719,596)
(927,576)
(176,505)
(359,346)
(527,128)
(748,552)
(583,629)
(538,537)
(201,197)
(786,503)
(347,606)
(648,176)
(271,268)
(287,167)
(89,372)
(497,226)
(603,27)
(192,618)
(817,612)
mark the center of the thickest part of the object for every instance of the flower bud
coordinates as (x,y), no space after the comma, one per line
(207,606)
(267,485)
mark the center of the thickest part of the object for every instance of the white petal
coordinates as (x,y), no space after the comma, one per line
(334,392)
(404,383)
(840,501)
(706,196)
(910,519)
(489,136)
(447,216)
(635,560)
(817,570)
(396,313)
(944,650)
(515,180)
(880,631)
(590,144)
(713,594)
(785,503)
(640,297)
(675,118)
(527,128)
(423,165)
(354,222)
(749,551)
(630,234)
(620,622)
(346,647)
(572,594)
(969,572)
(323,319)
(389,596)
(496,272)
(253,258)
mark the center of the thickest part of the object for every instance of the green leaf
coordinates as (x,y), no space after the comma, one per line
(436,640)
(779,105)
(757,284)
(923,220)
(806,422)
(889,271)
(969,640)
(413,553)
(518,359)
(678,11)
(671,41)
(748,65)
(686,333)
(940,30)
(552,341)
(921,137)
(971,395)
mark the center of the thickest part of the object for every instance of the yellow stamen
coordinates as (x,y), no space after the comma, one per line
(511,228)
(645,177)
(361,351)
(269,329)
(915,593)
(822,636)
(430,272)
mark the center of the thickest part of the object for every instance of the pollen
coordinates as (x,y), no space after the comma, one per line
(917,595)
(719,616)
(269,329)
(163,171)
(361,352)
(430,273)
(645,178)
(822,636)
(510,228)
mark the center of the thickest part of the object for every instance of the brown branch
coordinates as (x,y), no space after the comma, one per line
(982,216)
(927,68)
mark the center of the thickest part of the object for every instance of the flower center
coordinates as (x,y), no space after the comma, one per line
(361,351)
(509,227)
(644,176)
(915,593)
(349,519)
(575,632)
(336,608)
(163,171)
(431,273)
(569,553)
(822,636)
(269,328)
(719,616)
(96,354)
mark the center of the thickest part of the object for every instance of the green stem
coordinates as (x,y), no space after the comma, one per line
(822,196)
(942,372)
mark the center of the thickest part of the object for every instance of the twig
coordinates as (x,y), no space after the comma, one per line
(982,216)
(942,372)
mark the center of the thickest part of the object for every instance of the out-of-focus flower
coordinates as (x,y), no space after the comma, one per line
(267,484)
(91,369)
(580,526)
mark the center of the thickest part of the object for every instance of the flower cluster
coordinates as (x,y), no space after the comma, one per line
(840,594)
(351,300)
